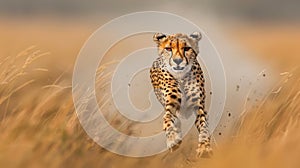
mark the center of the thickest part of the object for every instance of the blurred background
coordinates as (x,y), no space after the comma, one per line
(39,43)
(266,10)
(254,23)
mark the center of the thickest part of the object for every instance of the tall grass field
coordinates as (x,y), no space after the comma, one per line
(39,126)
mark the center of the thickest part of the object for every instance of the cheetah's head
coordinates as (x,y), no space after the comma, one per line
(178,50)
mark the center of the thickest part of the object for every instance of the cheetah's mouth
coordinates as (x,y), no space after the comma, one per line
(178,68)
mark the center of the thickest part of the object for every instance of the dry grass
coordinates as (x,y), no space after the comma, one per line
(39,127)
(267,135)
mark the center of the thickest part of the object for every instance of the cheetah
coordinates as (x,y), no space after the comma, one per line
(178,80)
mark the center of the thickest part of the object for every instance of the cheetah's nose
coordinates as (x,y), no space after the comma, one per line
(177,60)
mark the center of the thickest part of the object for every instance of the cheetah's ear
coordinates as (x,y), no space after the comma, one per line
(157,37)
(196,35)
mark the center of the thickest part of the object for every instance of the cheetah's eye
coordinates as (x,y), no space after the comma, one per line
(168,48)
(186,48)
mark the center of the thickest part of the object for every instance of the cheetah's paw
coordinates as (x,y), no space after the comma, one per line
(204,150)
(173,140)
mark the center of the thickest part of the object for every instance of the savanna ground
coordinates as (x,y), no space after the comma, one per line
(39,126)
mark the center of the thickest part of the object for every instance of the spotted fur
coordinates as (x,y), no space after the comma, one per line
(178,81)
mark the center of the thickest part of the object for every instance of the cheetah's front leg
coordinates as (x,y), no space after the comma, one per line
(171,121)
(195,93)
(204,148)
